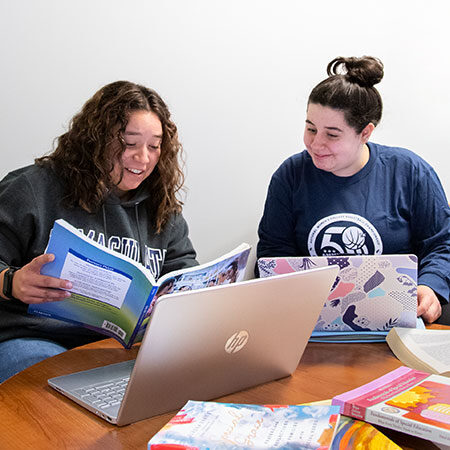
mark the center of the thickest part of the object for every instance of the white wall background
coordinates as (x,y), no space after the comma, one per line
(236,75)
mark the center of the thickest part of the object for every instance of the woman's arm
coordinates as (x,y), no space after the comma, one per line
(430,227)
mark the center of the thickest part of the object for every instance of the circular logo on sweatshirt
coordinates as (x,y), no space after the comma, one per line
(347,234)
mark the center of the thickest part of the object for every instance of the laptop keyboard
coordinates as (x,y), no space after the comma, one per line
(105,394)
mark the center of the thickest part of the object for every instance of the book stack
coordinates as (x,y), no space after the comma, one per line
(406,400)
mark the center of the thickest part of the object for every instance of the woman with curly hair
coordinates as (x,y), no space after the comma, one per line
(343,181)
(115,175)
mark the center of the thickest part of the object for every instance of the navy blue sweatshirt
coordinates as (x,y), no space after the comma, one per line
(394,204)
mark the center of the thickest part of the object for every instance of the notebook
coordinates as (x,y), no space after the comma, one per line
(372,293)
(207,343)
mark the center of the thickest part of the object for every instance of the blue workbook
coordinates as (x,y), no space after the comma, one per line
(112,293)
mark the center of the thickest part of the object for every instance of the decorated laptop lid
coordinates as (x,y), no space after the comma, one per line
(370,293)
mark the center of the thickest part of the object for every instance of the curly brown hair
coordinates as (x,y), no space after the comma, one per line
(86,153)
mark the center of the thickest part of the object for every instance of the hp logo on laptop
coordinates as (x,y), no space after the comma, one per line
(236,341)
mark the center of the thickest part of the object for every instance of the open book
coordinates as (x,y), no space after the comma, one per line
(113,294)
(426,350)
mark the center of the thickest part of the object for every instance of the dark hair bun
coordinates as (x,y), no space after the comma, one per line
(365,71)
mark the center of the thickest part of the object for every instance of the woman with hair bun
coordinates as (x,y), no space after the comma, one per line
(115,175)
(347,195)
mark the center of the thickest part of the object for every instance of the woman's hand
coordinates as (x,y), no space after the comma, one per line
(428,305)
(30,286)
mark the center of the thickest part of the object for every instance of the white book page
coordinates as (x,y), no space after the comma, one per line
(94,280)
(431,346)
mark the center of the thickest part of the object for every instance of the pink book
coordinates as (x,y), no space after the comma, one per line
(406,400)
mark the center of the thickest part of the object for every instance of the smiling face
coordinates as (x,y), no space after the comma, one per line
(333,145)
(142,137)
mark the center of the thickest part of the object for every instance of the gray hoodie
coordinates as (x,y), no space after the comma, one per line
(31,200)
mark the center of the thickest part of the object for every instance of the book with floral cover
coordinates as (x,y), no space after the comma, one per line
(357,434)
(205,425)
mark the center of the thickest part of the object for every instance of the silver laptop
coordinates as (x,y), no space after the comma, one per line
(207,343)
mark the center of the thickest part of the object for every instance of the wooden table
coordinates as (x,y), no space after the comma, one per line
(32,415)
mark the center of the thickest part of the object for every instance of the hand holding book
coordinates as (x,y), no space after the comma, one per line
(113,294)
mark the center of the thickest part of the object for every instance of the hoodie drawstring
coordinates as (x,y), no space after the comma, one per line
(104,225)
(140,243)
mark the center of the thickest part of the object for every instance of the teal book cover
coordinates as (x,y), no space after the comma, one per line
(111,293)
